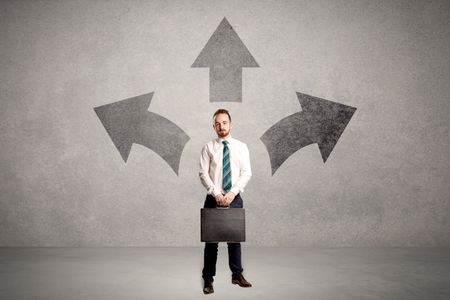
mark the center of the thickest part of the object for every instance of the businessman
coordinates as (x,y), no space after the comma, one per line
(224,172)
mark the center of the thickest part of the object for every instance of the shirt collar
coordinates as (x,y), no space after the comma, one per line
(220,140)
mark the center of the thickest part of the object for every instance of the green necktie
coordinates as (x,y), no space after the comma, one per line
(226,181)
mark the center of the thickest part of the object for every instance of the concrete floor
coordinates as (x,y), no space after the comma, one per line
(174,273)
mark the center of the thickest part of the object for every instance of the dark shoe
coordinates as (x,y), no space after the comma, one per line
(241,281)
(208,287)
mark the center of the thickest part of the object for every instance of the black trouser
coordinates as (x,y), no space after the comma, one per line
(234,249)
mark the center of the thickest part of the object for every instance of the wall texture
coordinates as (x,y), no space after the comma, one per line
(64,183)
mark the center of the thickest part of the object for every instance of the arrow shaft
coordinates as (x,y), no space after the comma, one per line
(288,136)
(162,136)
(225,84)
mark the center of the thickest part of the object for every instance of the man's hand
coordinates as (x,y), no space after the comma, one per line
(228,198)
(220,200)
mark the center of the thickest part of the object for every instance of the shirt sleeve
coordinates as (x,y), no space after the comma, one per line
(203,173)
(245,172)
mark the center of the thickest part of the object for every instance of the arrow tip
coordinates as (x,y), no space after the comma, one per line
(120,120)
(225,49)
(330,117)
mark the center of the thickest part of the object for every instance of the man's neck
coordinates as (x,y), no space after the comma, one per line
(225,137)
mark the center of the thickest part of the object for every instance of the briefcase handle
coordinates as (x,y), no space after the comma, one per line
(223,207)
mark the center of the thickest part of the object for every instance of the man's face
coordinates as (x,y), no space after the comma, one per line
(222,125)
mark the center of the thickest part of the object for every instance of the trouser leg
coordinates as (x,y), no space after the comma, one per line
(234,258)
(234,249)
(210,260)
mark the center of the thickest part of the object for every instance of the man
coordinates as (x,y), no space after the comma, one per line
(224,172)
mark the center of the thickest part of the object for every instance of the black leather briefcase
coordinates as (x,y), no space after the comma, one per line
(222,224)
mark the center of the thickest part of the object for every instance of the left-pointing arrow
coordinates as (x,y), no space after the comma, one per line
(129,121)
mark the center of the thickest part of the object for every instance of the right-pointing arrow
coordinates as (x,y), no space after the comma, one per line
(128,121)
(320,121)
(225,55)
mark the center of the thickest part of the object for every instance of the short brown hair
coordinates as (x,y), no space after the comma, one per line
(222,111)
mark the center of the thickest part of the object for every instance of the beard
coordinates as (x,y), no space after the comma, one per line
(223,133)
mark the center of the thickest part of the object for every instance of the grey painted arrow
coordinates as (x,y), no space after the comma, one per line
(225,55)
(129,121)
(320,121)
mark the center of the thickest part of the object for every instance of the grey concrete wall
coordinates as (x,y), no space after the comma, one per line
(64,183)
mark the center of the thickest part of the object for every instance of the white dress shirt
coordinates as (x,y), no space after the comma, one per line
(211,161)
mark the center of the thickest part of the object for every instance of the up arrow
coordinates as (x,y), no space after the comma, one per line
(225,55)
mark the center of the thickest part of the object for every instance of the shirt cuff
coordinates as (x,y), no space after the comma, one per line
(216,192)
(235,190)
